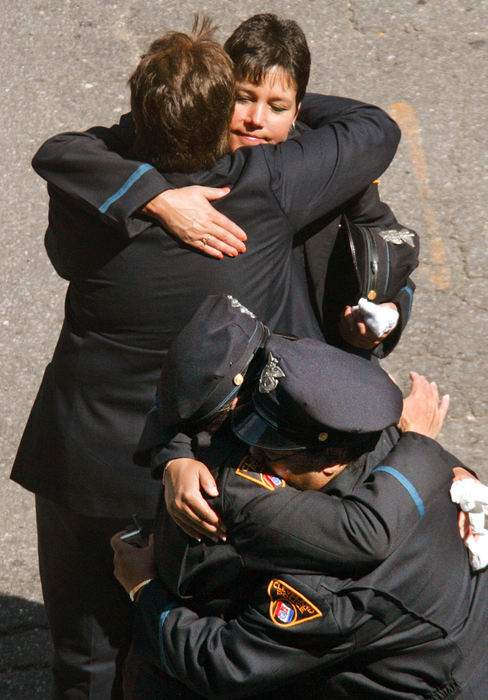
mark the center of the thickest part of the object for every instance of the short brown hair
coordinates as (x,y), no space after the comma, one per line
(182,100)
(264,42)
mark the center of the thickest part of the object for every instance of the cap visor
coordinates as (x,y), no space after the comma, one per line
(249,427)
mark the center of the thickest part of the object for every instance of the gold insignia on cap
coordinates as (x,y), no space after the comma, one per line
(238,379)
(371,295)
(322,436)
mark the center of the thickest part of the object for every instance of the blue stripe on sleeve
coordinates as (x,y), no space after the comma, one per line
(126,186)
(406,484)
(162,620)
(410,294)
(387,280)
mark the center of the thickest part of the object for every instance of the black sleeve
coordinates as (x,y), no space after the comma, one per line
(403,301)
(95,169)
(367,208)
(311,531)
(180,447)
(158,444)
(349,146)
(214,657)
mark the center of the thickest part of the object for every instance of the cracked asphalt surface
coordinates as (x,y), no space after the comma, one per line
(64,66)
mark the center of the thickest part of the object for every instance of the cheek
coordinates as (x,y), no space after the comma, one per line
(240,113)
(278,127)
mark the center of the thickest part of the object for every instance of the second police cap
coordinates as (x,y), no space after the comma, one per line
(203,370)
(311,394)
(207,362)
(382,260)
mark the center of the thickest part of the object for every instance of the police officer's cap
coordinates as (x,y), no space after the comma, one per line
(311,394)
(207,362)
(204,369)
(382,260)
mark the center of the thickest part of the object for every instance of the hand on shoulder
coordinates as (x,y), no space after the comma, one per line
(423,411)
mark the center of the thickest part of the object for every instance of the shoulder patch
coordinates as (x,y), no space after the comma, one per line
(268,481)
(288,607)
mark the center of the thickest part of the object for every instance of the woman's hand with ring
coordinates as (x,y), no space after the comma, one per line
(187,214)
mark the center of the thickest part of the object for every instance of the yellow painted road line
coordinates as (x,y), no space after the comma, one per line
(437,271)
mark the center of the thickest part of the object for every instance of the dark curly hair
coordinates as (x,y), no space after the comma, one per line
(264,42)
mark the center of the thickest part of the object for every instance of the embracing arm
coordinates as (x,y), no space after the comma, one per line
(93,168)
(238,658)
(185,481)
(97,168)
(171,458)
(349,146)
(358,527)
(344,533)
(214,657)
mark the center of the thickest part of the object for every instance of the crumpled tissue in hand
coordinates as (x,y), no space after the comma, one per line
(379,319)
(472,497)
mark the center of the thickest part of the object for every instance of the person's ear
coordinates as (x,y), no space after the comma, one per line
(332,470)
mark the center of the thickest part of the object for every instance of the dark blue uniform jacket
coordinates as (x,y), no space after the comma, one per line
(328,617)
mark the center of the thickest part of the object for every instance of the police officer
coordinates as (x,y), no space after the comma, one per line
(372,624)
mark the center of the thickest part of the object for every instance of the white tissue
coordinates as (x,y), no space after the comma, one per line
(379,319)
(472,497)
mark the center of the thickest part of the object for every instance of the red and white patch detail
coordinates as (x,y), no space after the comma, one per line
(249,469)
(289,607)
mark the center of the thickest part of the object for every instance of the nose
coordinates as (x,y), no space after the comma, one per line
(255,115)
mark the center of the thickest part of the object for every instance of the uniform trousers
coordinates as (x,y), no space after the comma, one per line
(89,613)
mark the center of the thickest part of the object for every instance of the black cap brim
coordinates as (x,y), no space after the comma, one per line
(249,427)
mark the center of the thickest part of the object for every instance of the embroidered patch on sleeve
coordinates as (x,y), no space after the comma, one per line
(247,468)
(288,607)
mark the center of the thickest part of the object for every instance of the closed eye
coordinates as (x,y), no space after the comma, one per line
(244,98)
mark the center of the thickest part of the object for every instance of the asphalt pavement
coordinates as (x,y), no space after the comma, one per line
(64,66)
